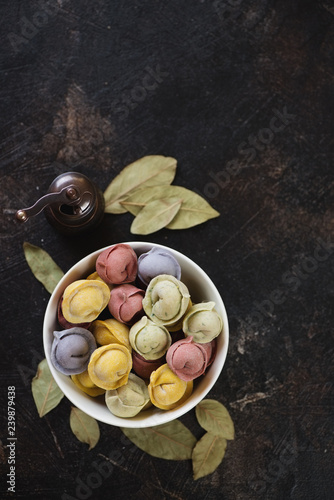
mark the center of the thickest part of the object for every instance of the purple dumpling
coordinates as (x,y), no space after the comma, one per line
(71,350)
(155,262)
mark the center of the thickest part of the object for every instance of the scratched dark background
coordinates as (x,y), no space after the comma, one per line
(241,93)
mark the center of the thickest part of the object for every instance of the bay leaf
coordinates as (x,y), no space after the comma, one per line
(208,454)
(42,266)
(45,391)
(214,418)
(155,215)
(194,209)
(172,441)
(147,171)
(85,428)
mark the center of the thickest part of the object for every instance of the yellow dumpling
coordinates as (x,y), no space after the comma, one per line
(111,331)
(110,365)
(84,300)
(85,383)
(167,390)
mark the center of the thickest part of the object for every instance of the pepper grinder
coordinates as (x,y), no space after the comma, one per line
(73,204)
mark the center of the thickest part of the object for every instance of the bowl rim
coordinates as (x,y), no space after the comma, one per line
(86,403)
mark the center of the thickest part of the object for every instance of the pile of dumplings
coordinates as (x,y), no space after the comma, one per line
(129,332)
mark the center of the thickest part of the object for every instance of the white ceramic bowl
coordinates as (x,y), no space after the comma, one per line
(201,288)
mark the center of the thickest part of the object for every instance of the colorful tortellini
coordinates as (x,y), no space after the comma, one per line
(148,339)
(132,334)
(167,390)
(85,384)
(129,399)
(111,331)
(109,366)
(117,264)
(202,322)
(71,350)
(156,262)
(84,300)
(166,300)
(126,303)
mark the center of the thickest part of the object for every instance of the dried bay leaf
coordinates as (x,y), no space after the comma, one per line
(194,213)
(138,200)
(45,391)
(214,418)
(155,215)
(172,441)
(42,266)
(194,209)
(84,427)
(208,454)
(147,171)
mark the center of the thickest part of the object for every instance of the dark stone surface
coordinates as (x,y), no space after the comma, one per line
(242,96)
